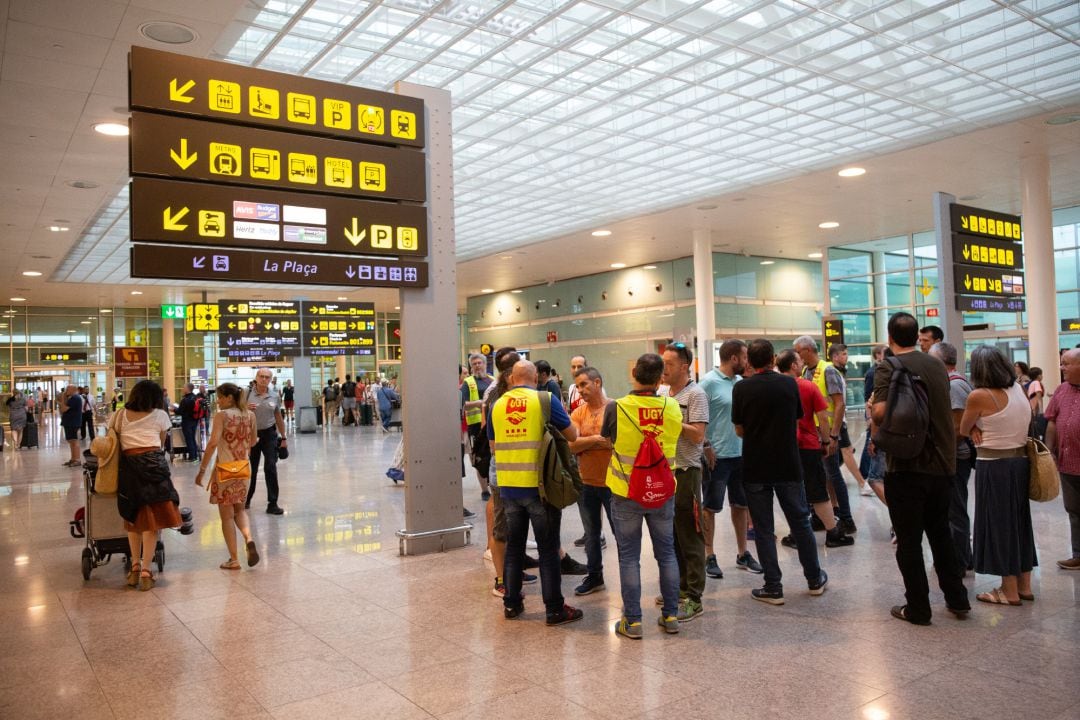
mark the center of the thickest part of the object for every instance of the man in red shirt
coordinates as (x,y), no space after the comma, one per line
(811,439)
(1063,438)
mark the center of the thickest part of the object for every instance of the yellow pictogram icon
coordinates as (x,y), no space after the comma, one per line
(211,223)
(370,119)
(171,221)
(303,168)
(225,96)
(301,108)
(337,172)
(264,102)
(373,177)
(179,93)
(407,238)
(265,164)
(225,159)
(337,114)
(403,124)
(382,236)
(182,158)
(356,235)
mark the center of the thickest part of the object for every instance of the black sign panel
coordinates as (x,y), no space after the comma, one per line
(183,262)
(989,304)
(233,93)
(287,344)
(196,213)
(1070,326)
(984,223)
(832,330)
(986,252)
(231,154)
(987,281)
(339,328)
(353,310)
(253,354)
(63,357)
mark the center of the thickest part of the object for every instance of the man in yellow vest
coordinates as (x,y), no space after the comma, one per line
(625,422)
(472,394)
(516,430)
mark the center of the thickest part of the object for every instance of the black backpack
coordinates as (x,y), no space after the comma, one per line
(904,432)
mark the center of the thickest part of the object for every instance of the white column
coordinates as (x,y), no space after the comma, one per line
(339,368)
(1042,314)
(168,359)
(704,299)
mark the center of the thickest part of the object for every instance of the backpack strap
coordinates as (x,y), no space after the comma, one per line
(545,405)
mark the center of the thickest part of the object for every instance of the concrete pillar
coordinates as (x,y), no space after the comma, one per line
(339,368)
(168,358)
(1041,285)
(302,380)
(880,297)
(704,299)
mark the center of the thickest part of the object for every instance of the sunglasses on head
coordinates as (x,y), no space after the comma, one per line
(681,348)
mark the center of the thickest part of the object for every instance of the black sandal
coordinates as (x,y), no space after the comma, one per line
(900,612)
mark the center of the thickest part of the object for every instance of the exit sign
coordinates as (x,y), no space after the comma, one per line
(173,312)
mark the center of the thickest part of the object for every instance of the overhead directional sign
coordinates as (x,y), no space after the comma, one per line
(985,223)
(986,252)
(192,149)
(253,353)
(318,309)
(285,343)
(202,317)
(63,357)
(173,312)
(260,317)
(989,304)
(197,213)
(183,262)
(185,85)
(1071,325)
(832,330)
(987,281)
(338,328)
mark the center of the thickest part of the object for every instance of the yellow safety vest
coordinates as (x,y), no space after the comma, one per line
(517,420)
(819,380)
(474,415)
(635,414)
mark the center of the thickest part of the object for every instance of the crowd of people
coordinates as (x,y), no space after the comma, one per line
(770,423)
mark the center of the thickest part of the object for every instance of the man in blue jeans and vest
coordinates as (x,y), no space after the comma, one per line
(625,422)
(516,430)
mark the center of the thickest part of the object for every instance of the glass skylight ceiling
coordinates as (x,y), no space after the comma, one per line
(568,115)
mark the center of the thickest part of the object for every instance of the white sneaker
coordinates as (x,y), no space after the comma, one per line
(866,490)
(530,544)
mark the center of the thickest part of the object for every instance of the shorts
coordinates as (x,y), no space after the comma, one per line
(289,404)
(348,403)
(813,472)
(845,439)
(498,525)
(726,476)
(71,433)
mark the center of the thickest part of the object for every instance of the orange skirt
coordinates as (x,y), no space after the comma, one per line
(158,516)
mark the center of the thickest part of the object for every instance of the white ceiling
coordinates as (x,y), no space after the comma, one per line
(571,115)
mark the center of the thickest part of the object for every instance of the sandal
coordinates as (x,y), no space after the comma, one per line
(133,575)
(230,565)
(1030,597)
(146,580)
(252,554)
(996,597)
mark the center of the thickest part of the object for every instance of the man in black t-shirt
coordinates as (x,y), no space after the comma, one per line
(765,409)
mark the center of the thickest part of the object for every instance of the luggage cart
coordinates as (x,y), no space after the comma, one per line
(175,444)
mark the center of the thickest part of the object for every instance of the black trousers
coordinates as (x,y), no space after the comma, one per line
(919,503)
(265,450)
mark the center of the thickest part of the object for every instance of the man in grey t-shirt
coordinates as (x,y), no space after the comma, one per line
(959,520)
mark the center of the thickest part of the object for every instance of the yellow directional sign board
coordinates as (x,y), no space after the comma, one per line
(985,223)
(987,252)
(184,85)
(988,281)
(173,211)
(202,317)
(191,149)
(832,331)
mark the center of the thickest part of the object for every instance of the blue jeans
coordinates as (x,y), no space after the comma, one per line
(626,518)
(836,479)
(265,449)
(871,467)
(594,500)
(188,428)
(545,524)
(959,520)
(792,498)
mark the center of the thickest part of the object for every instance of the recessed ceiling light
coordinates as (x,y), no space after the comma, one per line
(487,290)
(517,292)
(72,331)
(828,225)
(84,322)
(342,297)
(649,267)
(397,307)
(82,184)
(706,207)
(852,172)
(57,228)
(18,299)
(1063,119)
(601,233)
(136,292)
(168,32)
(31,273)
(768,262)
(506,257)
(112,129)
(814,256)
(618,266)
(106,310)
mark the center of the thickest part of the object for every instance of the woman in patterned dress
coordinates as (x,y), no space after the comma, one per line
(232,436)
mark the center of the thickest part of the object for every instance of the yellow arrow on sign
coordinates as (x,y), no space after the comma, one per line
(182,158)
(357,235)
(967,282)
(176,94)
(964,222)
(926,288)
(967,254)
(171,222)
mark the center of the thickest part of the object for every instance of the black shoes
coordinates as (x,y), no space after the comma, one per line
(848,526)
(466,512)
(580,542)
(815,523)
(570,566)
(530,562)
(274,510)
(511,612)
(900,613)
(838,538)
(818,586)
(566,615)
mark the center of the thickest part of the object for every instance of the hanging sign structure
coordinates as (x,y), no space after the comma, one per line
(987,258)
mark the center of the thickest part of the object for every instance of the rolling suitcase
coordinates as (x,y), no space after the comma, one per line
(30,435)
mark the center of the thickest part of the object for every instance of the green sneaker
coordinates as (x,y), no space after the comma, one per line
(629,629)
(670,624)
(689,609)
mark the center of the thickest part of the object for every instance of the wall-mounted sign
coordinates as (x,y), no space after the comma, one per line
(202,317)
(190,149)
(63,357)
(197,213)
(173,312)
(184,85)
(832,332)
(932,312)
(966,303)
(130,362)
(1070,326)
(229,265)
(987,252)
(987,281)
(553,336)
(985,223)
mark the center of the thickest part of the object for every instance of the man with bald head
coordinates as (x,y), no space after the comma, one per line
(516,430)
(1063,437)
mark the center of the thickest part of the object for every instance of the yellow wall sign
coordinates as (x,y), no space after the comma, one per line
(264,102)
(202,317)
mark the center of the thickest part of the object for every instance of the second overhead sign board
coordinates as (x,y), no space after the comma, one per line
(987,259)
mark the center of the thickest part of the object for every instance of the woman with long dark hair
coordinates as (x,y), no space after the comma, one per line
(146,498)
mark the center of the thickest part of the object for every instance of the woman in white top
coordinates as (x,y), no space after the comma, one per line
(996,419)
(146,498)
(1035,393)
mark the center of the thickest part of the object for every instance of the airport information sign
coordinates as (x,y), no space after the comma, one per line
(832,330)
(987,258)
(338,328)
(966,303)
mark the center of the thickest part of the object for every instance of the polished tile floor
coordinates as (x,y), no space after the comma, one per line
(334,624)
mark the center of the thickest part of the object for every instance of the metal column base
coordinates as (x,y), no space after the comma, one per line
(404,537)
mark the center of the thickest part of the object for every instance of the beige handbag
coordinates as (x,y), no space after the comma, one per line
(1045,482)
(107,450)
